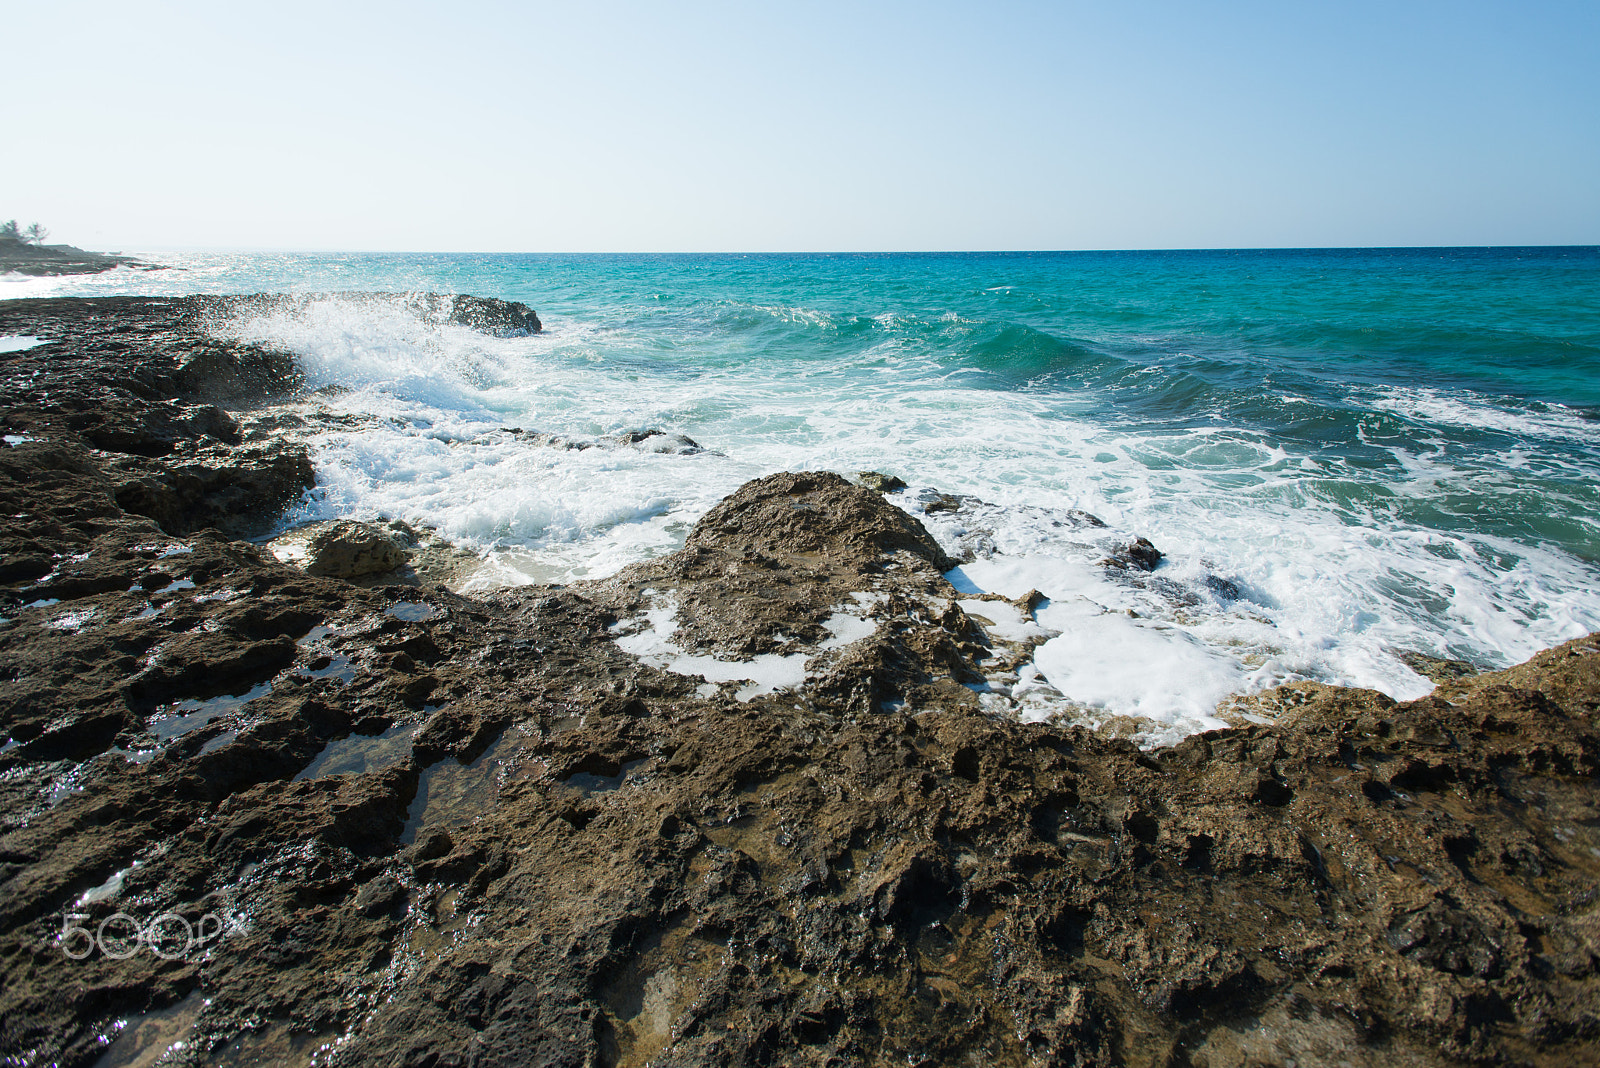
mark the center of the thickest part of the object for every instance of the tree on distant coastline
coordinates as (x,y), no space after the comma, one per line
(36,234)
(9,231)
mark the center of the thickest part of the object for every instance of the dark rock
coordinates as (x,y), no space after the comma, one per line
(238,490)
(381,896)
(651,441)
(226,373)
(23,258)
(1136,555)
(1223,589)
(499,317)
(350,550)
(875,480)
(1436,668)
(944,502)
(585,857)
(812,512)
(432,846)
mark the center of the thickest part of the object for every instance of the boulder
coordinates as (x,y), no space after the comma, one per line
(877,480)
(502,318)
(350,550)
(1137,555)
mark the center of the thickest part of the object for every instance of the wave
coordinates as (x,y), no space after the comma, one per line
(1508,416)
(1351,515)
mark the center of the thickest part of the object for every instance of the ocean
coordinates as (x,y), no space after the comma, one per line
(1344,455)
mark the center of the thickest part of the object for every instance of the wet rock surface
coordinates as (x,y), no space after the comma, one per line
(352,550)
(737,805)
(500,318)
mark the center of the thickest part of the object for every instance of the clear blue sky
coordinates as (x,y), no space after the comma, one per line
(693,126)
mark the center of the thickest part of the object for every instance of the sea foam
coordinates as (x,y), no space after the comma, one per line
(1319,510)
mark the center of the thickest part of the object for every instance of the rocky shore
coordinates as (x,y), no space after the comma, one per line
(23,258)
(737,805)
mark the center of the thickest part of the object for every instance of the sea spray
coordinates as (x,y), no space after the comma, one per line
(1364,452)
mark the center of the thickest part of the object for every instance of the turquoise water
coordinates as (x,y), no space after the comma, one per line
(1380,449)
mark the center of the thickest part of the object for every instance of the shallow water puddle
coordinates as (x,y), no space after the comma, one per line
(649,637)
(177,585)
(360,753)
(68,784)
(329,666)
(278,1044)
(314,635)
(149,1039)
(184,716)
(71,622)
(138,756)
(110,888)
(440,926)
(587,783)
(653,990)
(293,546)
(450,793)
(413,611)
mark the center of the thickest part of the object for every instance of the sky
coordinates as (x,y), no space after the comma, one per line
(701,126)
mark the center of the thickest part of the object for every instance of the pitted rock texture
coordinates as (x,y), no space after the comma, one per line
(352,550)
(438,830)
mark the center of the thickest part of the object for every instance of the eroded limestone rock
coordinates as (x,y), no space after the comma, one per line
(538,846)
(351,550)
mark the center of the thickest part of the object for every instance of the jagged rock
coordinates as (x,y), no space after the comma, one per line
(1137,555)
(649,441)
(882,483)
(1223,589)
(812,512)
(350,550)
(226,373)
(486,314)
(237,490)
(945,502)
(499,317)
(587,857)
(1436,668)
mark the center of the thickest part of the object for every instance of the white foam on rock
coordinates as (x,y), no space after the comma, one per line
(649,637)
(1108,649)
(1130,667)
(1003,620)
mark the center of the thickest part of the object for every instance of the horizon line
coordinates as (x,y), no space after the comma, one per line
(292,250)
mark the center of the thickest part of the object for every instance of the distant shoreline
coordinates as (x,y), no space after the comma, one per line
(42,260)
